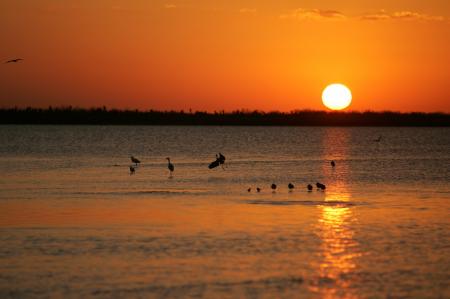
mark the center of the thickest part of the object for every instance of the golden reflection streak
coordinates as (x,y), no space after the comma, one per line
(339,250)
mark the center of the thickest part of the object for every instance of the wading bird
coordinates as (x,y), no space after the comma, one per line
(221,159)
(14,60)
(321,186)
(134,160)
(170,166)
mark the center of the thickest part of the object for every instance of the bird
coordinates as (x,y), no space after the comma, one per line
(332,163)
(249,189)
(215,163)
(221,159)
(134,160)
(273,186)
(378,139)
(310,187)
(14,60)
(132,170)
(170,166)
(291,186)
(321,186)
(258,189)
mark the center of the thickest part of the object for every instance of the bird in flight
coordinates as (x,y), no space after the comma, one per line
(14,60)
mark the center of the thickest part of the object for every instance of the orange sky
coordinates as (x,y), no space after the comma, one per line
(214,55)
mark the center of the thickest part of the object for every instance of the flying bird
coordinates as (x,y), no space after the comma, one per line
(134,160)
(14,60)
(170,166)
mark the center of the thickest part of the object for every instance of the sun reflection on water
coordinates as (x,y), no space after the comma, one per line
(339,251)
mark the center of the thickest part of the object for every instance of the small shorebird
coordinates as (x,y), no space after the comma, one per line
(134,160)
(132,170)
(273,187)
(258,189)
(321,186)
(332,163)
(249,189)
(378,139)
(291,186)
(170,166)
(310,187)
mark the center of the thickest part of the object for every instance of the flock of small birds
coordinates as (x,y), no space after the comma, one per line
(220,160)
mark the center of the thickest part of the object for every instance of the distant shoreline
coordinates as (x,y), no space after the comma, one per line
(103,116)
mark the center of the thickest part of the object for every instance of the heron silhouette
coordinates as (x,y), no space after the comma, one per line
(14,60)
(134,160)
(221,159)
(170,166)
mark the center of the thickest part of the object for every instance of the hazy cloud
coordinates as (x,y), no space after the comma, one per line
(400,15)
(314,14)
(170,6)
(248,10)
(334,15)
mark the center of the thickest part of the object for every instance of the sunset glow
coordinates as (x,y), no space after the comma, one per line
(203,55)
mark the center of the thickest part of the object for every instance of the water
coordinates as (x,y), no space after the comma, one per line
(74,223)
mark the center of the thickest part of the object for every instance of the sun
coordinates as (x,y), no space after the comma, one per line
(336,96)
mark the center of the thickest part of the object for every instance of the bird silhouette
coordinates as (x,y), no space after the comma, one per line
(249,189)
(333,164)
(321,186)
(273,187)
(170,166)
(132,170)
(14,60)
(378,139)
(221,159)
(258,189)
(310,187)
(291,186)
(134,160)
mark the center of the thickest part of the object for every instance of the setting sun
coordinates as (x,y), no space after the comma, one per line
(336,96)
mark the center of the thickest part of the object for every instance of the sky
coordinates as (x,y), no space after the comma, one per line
(225,54)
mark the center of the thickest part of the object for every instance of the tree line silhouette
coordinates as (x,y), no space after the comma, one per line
(104,116)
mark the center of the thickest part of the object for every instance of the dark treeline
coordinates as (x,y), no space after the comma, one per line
(104,116)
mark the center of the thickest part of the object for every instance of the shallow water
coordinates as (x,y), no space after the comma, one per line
(75,223)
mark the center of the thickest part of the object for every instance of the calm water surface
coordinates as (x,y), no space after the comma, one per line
(74,223)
